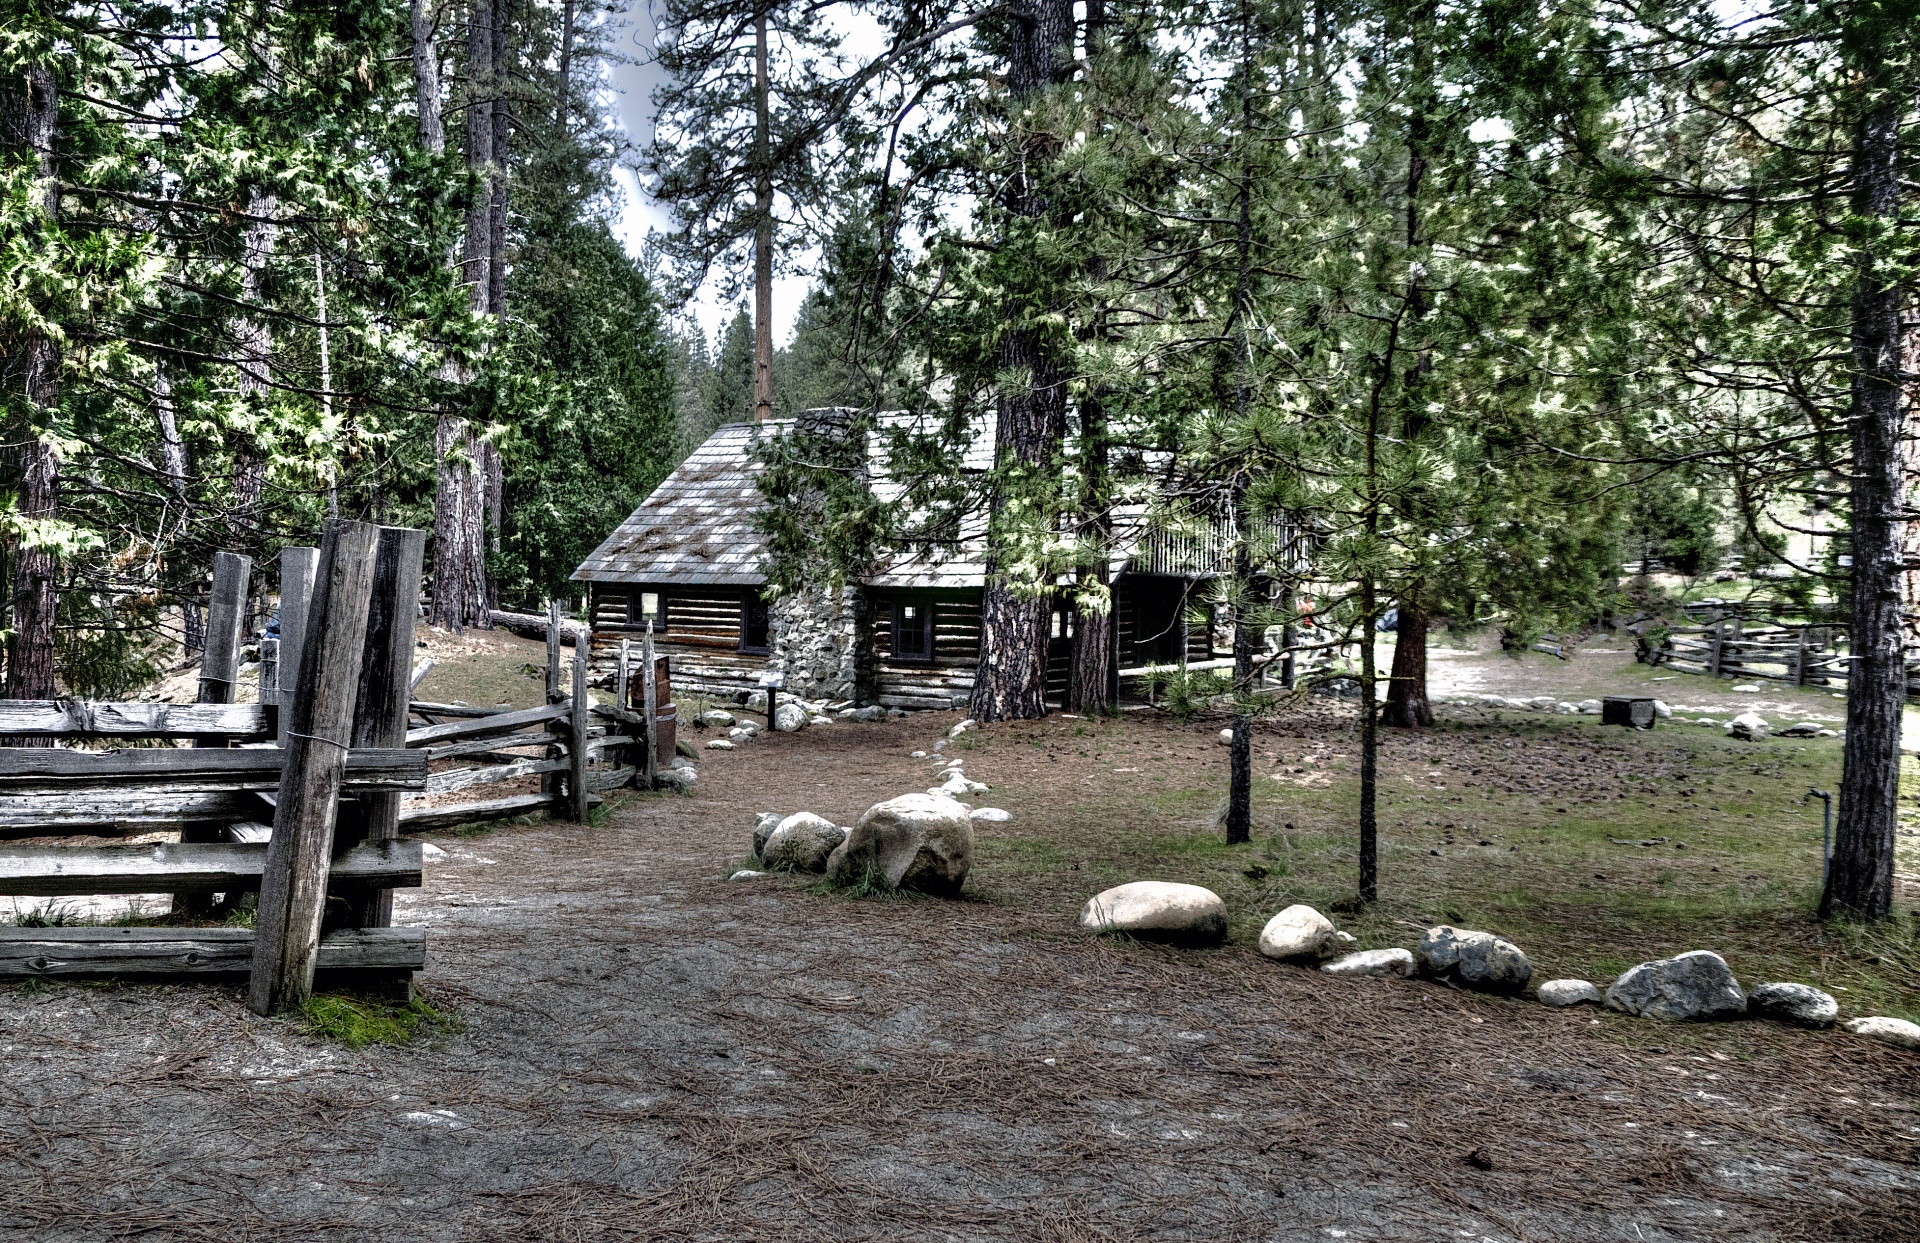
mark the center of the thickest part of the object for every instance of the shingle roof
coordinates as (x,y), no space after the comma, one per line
(697,526)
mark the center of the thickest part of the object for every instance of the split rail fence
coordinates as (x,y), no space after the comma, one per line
(299,799)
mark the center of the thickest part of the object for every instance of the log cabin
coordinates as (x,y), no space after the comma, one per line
(687,562)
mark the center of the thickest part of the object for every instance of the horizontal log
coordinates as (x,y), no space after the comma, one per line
(499,723)
(417,819)
(486,774)
(52,717)
(56,769)
(533,621)
(173,867)
(463,710)
(192,951)
(124,810)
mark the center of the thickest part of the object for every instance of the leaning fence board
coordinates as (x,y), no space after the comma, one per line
(168,867)
(502,722)
(420,818)
(46,768)
(486,746)
(49,717)
(461,710)
(193,951)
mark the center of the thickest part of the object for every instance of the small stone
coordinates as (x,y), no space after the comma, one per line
(1746,688)
(736,734)
(1661,710)
(789,717)
(1564,708)
(1158,910)
(715,716)
(940,744)
(748,874)
(719,744)
(1828,733)
(1346,938)
(764,823)
(895,713)
(819,720)
(990,815)
(1694,985)
(963,727)
(1478,960)
(1748,726)
(1897,1032)
(1588,707)
(1226,737)
(1395,962)
(680,780)
(868,714)
(1802,729)
(1800,1004)
(1568,993)
(917,755)
(1297,932)
(757,701)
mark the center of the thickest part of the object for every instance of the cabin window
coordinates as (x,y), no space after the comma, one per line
(754,621)
(913,630)
(645,607)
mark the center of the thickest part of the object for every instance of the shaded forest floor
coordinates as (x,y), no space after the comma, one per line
(643,1049)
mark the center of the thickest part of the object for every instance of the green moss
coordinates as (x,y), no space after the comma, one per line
(357,1021)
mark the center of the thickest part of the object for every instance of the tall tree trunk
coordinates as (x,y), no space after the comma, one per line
(1407,704)
(563,107)
(254,350)
(1091,678)
(459,503)
(172,454)
(34,108)
(1240,592)
(498,160)
(1032,418)
(423,16)
(763,227)
(1860,881)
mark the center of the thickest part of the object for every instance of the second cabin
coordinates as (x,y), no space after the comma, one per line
(688,562)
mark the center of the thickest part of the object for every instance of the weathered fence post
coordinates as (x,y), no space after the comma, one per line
(293,886)
(553,651)
(1719,633)
(649,691)
(386,685)
(297,569)
(270,673)
(226,612)
(623,675)
(579,718)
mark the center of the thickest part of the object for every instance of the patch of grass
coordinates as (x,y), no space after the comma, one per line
(358,1021)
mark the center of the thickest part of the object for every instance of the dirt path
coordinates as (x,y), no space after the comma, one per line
(652,1052)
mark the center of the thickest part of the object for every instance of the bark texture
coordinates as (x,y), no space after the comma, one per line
(1860,881)
(33,370)
(1407,705)
(763,228)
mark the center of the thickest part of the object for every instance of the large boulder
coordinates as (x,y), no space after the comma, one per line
(916,841)
(789,717)
(1695,985)
(1298,932)
(1896,1032)
(1800,1004)
(1159,910)
(1477,960)
(764,824)
(1748,726)
(1397,962)
(801,843)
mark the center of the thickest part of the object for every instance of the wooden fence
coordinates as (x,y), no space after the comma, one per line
(300,798)
(1729,647)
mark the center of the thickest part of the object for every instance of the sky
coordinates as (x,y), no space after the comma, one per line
(632,90)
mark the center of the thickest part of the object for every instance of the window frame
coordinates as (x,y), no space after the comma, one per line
(636,609)
(748,603)
(925,625)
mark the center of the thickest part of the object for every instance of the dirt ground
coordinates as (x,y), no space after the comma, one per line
(646,1050)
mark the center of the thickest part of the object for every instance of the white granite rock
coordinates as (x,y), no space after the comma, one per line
(1298,932)
(1397,962)
(1160,911)
(1897,1032)
(1568,993)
